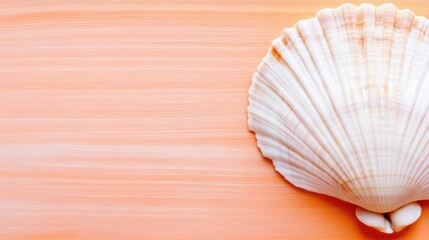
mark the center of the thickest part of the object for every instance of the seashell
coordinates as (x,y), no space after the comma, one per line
(340,105)
(393,221)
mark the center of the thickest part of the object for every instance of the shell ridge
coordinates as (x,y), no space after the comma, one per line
(354,39)
(325,29)
(418,169)
(381,24)
(344,50)
(418,91)
(389,14)
(285,100)
(359,184)
(401,23)
(321,15)
(415,112)
(335,135)
(261,135)
(338,176)
(371,85)
(290,150)
(347,13)
(292,171)
(285,55)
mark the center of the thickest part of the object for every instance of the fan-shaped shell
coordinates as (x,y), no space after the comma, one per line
(340,104)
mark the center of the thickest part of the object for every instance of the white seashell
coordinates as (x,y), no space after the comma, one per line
(395,221)
(340,105)
(405,216)
(375,220)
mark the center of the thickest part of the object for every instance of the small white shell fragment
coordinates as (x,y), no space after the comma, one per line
(394,221)
(374,220)
(405,216)
(340,104)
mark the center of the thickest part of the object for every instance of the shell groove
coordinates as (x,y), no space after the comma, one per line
(340,103)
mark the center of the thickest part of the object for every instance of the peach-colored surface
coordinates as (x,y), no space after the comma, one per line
(127,120)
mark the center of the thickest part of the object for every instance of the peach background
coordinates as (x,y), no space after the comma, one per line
(127,120)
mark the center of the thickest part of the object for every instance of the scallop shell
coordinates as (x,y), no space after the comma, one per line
(340,104)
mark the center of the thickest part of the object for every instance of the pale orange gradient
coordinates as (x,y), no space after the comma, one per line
(127,120)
